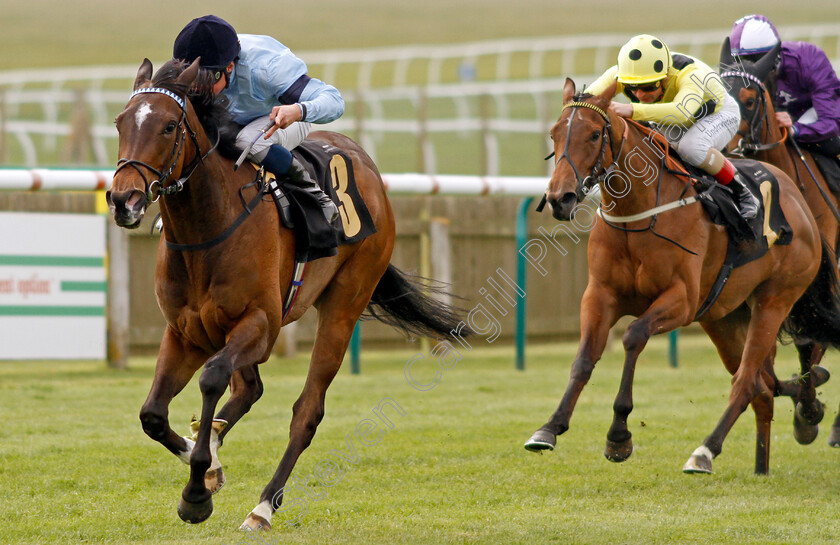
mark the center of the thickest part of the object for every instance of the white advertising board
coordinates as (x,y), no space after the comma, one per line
(52,286)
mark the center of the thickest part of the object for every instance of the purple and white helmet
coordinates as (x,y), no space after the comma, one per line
(752,34)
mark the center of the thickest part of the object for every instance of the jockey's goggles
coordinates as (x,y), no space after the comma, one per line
(647,87)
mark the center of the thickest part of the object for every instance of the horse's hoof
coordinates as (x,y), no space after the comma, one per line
(618,452)
(540,441)
(254,523)
(803,432)
(195,512)
(834,437)
(214,479)
(811,414)
(699,462)
(820,375)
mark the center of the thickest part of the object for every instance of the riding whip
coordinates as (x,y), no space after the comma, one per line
(247,150)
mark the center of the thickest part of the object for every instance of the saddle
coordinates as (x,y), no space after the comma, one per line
(748,239)
(333,171)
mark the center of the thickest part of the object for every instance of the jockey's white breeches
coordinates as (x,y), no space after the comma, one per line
(714,131)
(289,138)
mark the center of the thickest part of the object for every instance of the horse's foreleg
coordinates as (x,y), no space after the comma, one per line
(177,363)
(598,314)
(246,345)
(667,313)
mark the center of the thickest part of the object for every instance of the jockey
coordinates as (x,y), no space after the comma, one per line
(263,81)
(807,98)
(686,100)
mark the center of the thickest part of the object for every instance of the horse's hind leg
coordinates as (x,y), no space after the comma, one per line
(340,307)
(808,410)
(834,436)
(729,335)
(748,382)
(762,406)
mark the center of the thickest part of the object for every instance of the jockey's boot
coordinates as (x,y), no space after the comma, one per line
(729,176)
(299,176)
(747,203)
(281,162)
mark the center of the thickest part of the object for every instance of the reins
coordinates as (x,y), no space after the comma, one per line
(754,123)
(606,172)
(175,155)
(178,185)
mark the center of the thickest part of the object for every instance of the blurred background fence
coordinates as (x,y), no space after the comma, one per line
(476,109)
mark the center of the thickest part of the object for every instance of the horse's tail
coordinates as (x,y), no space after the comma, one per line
(407,302)
(816,315)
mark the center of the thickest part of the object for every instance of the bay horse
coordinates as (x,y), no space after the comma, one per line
(660,269)
(761,137)
(223,301)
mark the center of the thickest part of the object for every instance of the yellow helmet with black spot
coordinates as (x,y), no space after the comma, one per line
(643,59)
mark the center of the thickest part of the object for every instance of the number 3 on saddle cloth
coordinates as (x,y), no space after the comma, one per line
(300,211)
(769,227)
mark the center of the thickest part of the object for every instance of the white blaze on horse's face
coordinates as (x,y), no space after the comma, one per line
(142,113)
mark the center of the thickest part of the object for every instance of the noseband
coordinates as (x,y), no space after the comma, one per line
(155,188)
(598,173)
(751,143)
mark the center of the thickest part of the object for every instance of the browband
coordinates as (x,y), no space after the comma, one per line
(161,91)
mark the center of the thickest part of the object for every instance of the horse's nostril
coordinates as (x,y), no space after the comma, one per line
(568,199)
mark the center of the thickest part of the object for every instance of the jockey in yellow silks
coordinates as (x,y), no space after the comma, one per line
(688,103)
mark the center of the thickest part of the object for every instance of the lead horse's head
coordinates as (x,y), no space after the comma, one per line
(583,150)
(153,134)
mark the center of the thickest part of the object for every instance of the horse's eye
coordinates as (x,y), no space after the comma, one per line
(595,136)
(750,103)
(170,127)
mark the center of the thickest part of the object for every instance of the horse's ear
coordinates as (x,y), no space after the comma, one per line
(767,62)
(144,74)
(726,58)
(568,90)
(188,76)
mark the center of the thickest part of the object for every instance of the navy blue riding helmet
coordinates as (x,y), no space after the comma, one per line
(211,38)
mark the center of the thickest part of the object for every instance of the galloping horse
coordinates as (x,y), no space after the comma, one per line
(660,268)
(222,290)
(761,137)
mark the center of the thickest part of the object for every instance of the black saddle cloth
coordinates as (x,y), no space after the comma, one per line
(333,170)
(748,240)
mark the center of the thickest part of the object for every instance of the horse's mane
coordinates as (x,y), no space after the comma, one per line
(583,95)
(209,108)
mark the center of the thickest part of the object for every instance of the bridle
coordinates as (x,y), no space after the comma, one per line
(154,189)
(598,173)
(752,143)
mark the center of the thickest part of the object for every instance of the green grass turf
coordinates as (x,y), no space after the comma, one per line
(75,466)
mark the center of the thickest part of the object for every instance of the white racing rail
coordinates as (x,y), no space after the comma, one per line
(42,179)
